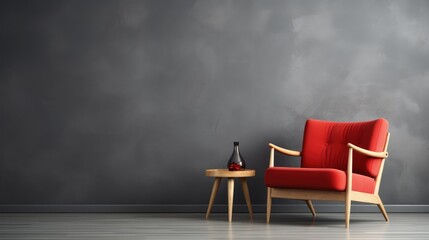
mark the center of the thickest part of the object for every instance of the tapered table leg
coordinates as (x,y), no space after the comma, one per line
(230,197)
(247,196)
(213,195)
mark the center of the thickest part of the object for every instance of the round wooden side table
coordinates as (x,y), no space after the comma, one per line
(218,174)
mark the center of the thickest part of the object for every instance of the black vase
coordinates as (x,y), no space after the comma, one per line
(236,161)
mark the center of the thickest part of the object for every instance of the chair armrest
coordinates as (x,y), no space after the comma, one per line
(285,151)
(368,152)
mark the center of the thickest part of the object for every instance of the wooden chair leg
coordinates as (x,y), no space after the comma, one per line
(310,206)
(382,210)
(268,204)
(348,204)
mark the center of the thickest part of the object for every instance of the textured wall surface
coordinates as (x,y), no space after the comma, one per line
(128,102)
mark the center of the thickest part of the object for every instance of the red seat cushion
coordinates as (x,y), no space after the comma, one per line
(316,179)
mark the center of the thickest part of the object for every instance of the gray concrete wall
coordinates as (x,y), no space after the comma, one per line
(128,102)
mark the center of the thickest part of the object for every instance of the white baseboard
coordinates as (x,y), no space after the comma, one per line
(217,208)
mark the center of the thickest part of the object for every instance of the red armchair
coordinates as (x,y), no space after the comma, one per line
(340,161)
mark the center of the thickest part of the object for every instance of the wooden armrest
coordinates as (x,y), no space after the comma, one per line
(368,152)
(285,151)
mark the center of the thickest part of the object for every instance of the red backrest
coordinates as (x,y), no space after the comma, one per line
(325,144)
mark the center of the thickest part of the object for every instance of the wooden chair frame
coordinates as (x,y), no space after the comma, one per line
(347,196)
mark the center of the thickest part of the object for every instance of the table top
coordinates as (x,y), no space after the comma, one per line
(227,173)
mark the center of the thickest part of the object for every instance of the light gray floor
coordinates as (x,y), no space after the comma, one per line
(194,226)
